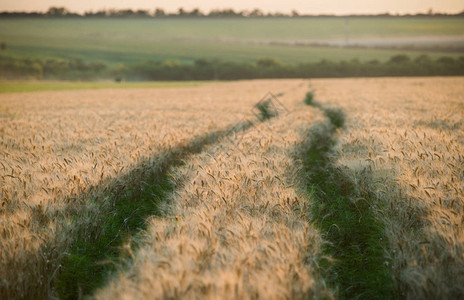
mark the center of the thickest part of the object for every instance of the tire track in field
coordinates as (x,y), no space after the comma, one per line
(236,227)
(102,249)
(356,240)
(82,269)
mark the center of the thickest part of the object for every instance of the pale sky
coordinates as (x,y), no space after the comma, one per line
(303,6)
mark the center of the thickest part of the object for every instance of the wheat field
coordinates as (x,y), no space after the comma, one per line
(240,229)
(404,143)
(239,221)
(60,149)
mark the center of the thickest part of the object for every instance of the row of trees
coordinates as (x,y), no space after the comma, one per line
(203,69)
(14,68)
(181,12)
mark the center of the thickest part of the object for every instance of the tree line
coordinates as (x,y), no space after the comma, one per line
(204,69)
(62,12)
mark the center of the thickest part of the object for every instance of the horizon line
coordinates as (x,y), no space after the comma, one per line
(206,12)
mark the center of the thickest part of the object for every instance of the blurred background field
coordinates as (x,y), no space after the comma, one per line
(290,40)
(183,48)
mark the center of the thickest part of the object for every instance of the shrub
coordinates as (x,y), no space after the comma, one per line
(400,59)
(265,111)
(309,99)
(446,60)
(268,62)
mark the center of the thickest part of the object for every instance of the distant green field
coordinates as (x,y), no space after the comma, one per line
(115,41)
(28,86)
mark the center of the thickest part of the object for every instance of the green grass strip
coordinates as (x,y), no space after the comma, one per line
(356,240)
(38,86)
